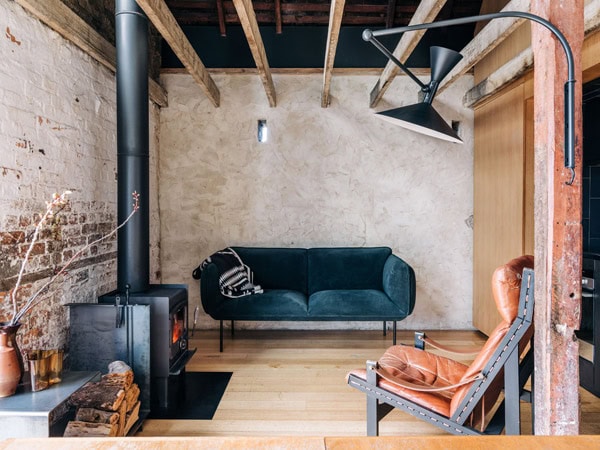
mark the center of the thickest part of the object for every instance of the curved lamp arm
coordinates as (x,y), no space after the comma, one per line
(569,119)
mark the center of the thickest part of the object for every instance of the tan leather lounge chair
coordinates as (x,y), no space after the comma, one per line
(461,399)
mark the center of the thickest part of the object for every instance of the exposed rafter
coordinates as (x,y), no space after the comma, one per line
(372,13)
(492,35)
(333,33)
(278,21)
(523,62)
(247,17)
(508,72)
(59,17)
(221,15)
(160,15)
(426,12)
(391,14)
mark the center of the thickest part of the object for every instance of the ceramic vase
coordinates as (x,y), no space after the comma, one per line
(11,361)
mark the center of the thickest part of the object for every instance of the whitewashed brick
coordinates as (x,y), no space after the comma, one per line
(58,132)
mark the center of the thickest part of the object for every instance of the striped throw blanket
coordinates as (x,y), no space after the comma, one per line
(235,279)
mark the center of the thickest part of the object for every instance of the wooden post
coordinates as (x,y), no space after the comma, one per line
(557,224)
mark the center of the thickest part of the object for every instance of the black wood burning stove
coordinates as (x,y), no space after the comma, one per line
(145,325)
(168,332)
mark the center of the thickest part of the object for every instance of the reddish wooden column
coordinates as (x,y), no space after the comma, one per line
(557,224)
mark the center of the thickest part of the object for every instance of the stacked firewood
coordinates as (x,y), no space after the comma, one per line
(109,407)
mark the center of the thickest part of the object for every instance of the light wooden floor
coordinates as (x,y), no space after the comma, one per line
(292,383)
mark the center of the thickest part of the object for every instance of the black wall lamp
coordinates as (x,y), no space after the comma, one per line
(423,118)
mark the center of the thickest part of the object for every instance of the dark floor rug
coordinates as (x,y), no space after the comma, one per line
(197,396)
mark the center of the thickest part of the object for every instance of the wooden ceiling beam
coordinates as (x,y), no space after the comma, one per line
(60,18)
(278,16)
(247,17)
(492,35)
(333,33)
(426,12)
(159,14)
(501,77)
(391,14)
(297,6)
(221,17)
(210,18)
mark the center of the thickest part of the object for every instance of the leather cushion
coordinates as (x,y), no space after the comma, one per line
(506,288)
(419,367)
(434,402)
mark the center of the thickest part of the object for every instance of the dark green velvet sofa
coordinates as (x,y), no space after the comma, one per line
(316,284)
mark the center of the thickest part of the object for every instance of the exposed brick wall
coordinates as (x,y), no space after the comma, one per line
(58,132)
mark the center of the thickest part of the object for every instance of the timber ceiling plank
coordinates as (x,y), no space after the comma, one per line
(492,35)
(245,11)
(391,13)
(278,22)
(221,16)
(375,13)
(333,34)
(59,17)
(160,15)
(426,12)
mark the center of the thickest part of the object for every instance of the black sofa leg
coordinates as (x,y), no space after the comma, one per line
(232,329)
(384,328)
(221,336)
(394,337)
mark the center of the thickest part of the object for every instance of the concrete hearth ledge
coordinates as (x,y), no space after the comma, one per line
(310,443)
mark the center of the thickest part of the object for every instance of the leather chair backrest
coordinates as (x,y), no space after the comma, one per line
(506,288)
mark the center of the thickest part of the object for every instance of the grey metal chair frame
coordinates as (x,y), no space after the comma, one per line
(381,401)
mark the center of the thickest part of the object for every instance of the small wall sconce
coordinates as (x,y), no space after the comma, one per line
(263,130)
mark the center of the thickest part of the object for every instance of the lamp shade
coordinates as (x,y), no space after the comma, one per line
(422,118)
(443,61)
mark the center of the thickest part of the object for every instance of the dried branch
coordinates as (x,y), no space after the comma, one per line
(58,201)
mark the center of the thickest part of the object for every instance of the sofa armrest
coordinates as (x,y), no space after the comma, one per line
(210,293)
(399,283)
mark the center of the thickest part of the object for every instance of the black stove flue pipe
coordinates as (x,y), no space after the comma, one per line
(133,257)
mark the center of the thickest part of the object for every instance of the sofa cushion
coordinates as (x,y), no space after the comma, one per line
(276,268)
(277,304)
(346,268)
(355,304)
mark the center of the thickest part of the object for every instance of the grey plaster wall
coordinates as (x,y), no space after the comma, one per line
(326,177)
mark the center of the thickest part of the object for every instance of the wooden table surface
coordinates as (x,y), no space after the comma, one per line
(310,443)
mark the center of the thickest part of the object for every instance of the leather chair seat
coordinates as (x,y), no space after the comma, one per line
(421,368)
